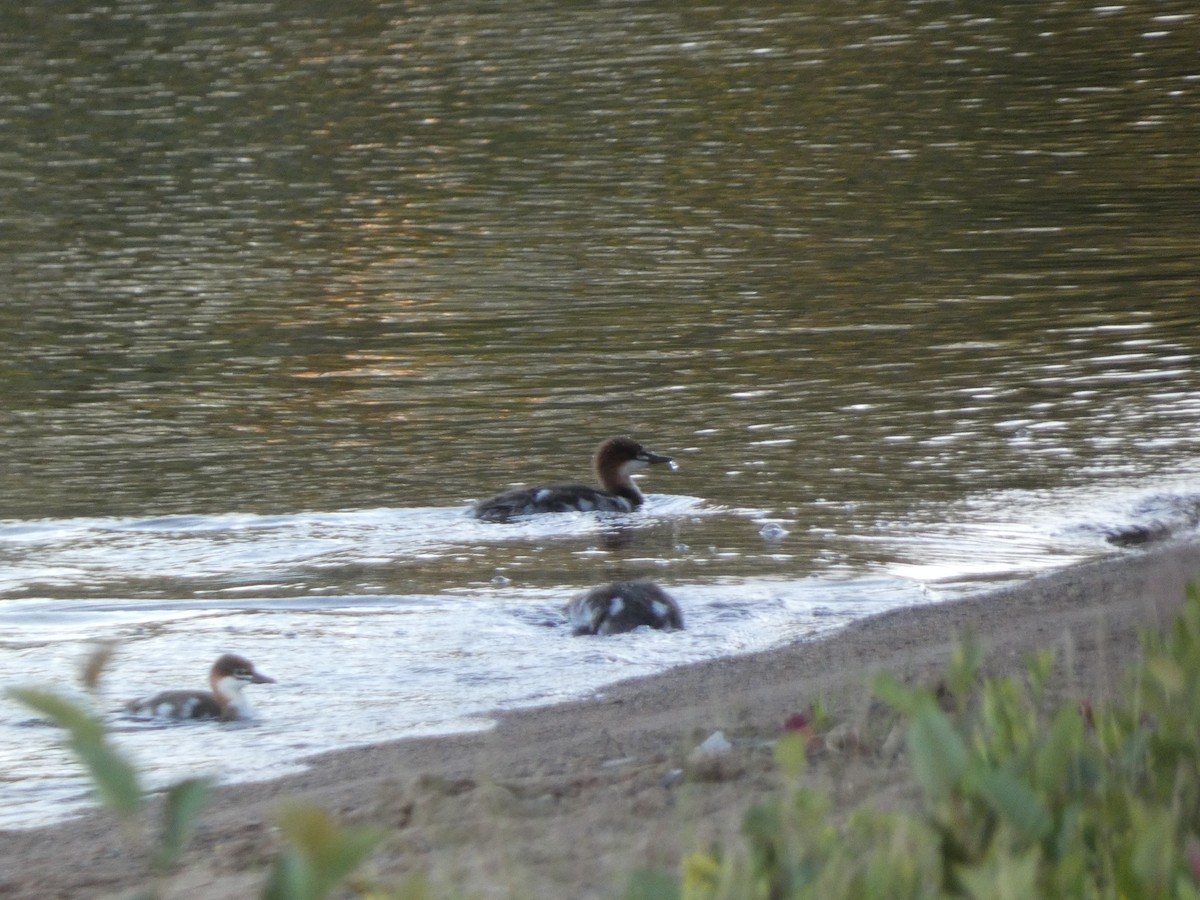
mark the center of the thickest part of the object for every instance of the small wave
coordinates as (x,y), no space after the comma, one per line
(1155,518)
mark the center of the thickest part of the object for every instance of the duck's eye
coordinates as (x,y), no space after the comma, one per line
(241,673)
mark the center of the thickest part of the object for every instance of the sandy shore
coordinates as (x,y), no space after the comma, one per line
(565,801)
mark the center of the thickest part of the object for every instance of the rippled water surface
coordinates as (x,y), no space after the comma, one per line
(907,289)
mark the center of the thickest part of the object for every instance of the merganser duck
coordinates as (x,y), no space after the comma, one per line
(624,606)
(615,462)
(228,675)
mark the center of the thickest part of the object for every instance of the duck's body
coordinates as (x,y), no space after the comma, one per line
(616,460)
(624,606)
(228,676)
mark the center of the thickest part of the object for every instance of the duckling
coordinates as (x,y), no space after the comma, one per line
(227,677)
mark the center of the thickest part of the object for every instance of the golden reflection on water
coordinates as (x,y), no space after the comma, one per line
(882,256)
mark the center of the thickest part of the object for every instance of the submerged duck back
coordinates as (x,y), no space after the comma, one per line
(623,606)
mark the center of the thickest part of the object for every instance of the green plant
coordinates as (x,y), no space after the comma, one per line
(320,855)
(116,780)
(1021,797)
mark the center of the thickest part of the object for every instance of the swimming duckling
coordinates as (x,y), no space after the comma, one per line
(227,677)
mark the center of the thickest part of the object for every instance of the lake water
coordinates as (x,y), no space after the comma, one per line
(909,290)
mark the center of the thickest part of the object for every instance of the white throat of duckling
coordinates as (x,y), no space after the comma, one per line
(228,691)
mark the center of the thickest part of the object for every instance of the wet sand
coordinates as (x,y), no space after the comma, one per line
(567,800)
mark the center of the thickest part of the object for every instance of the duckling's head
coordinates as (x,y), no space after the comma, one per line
(231,673)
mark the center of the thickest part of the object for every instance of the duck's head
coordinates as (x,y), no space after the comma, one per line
(231,673)
(620,457)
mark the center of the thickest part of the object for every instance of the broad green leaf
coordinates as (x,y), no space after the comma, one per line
(1154,848)
(648,884)
(62,712)
(1002,877)
(791,754)
(1039,666)
(1068,830)
(1167,672)
(965,662)
(700,871)
(1058,755)
(321,855)
(900,698)
(290,878)
(354,847)
(311,830)
(1014,800)
(1187,621)
(939,756)
(181,808)
(115,779)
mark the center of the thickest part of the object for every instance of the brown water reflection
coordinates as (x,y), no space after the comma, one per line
(843,264)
